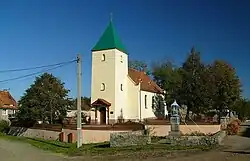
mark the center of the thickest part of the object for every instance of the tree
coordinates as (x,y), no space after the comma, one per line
(242,107)
(169,78)
(225,84)
(45,100)
(139,65)
(85,104)
(193,91)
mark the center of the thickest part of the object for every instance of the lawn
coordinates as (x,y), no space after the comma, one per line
(103,149)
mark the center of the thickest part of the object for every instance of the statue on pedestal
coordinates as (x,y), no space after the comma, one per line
(175,120)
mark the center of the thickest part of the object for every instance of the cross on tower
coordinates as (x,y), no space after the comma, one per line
(111,16)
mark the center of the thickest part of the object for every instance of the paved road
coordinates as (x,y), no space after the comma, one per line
(18,151)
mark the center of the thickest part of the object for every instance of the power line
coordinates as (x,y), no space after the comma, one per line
(35,73)
(37,67)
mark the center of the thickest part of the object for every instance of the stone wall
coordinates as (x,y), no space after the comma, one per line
(95,136)
(123,139)
(34,133)
(89,136)
(216,139)
(163,130)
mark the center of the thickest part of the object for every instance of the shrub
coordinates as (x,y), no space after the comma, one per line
(194,133)
(4,126)
(233,127)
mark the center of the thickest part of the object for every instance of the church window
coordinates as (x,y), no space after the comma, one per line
(153,102)
(145,101)
(121,87)
(103,57)
(102,87)
(121,59)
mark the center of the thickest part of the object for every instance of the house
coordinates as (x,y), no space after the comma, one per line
(118,92)
(8,105)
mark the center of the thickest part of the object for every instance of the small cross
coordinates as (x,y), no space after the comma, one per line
(111,16)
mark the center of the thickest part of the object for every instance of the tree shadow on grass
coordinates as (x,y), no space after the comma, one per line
(104,145)
(60,144)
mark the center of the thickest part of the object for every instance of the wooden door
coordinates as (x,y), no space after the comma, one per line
(102,115)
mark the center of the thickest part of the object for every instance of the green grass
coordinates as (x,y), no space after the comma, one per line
(102,149)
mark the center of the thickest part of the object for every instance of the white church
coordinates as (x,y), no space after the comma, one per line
(117,91)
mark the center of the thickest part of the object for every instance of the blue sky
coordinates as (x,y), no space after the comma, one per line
(40,32)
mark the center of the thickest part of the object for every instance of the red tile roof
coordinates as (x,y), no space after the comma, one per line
(147,84)
(7,101)
(101,101)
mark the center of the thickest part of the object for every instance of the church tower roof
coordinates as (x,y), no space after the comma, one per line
(109,40)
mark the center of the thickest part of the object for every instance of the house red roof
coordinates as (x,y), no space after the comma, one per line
(147,84)
(7,101)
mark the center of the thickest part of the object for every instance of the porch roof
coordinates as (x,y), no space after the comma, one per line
(101,102)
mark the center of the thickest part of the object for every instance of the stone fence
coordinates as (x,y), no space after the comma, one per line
(163,130)
(95,136)
(216,139)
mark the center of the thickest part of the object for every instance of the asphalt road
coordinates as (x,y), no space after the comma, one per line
(18,151)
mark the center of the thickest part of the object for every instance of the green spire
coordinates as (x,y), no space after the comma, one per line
(109,40)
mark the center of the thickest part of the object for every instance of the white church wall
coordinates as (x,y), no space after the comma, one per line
(121,72)
(103,71)
(131,111)
(146,105)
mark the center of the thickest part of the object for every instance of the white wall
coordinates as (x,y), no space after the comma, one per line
(131,111)
(112,72)
(146,107)
(121,72)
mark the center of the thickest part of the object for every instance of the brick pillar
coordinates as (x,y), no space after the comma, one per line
(71,138)
(62,137)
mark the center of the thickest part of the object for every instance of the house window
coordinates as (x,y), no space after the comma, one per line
(145,97)
(121,87)
(102,87)
(103,57)
(4,112)
(121,59)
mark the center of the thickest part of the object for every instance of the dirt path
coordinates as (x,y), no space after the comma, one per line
(18,151)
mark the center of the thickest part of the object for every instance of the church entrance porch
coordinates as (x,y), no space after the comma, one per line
(101,107)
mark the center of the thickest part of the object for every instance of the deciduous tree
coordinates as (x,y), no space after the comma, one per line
(46,99)
(225,84)
(169,78)
(85,103)
(139,65)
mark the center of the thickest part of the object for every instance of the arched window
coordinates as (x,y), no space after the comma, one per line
(102,87)
(121,59)
(121,87)
(103,57)
(145,101)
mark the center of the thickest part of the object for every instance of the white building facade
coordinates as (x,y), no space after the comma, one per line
(117,92)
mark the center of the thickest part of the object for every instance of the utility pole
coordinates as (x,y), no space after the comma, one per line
(79,95)
(51,120)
